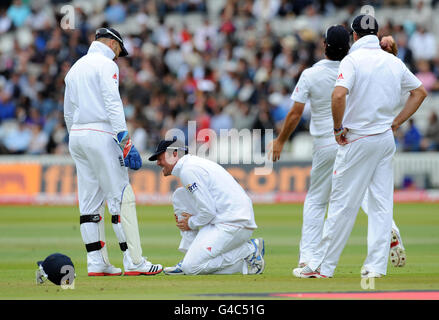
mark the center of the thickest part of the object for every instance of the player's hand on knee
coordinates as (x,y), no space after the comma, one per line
(183,224)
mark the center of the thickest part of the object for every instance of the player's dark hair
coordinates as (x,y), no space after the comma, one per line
(336,54)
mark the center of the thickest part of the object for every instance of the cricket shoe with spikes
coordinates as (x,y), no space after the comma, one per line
(307,272)
(255,261)
(397,252)
(104,270)
(174,271)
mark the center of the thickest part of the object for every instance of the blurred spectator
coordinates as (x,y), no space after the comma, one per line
(7,108)
(115,12)
(412,137)
(431,141)
(404,52)
(5,21)
(139,136)
(18,140)
(18,13)
(220,120)
(265,9)
(423,44)
(422,13)
(427,77)
(38,141)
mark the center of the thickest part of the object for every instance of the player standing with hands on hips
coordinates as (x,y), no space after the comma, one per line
(316,85)
(363,124)
(102,150)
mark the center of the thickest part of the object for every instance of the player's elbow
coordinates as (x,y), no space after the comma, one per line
(338,95)
(422,92)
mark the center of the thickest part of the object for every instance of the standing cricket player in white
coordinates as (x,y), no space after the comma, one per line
(101,148)
(363,124)
(316,85)
(214,214)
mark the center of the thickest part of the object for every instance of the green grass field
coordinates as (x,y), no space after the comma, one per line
(28,234)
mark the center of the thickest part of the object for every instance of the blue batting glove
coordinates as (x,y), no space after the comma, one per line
(133,159)
(131,156)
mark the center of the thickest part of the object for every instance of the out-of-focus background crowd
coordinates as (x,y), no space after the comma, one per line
(223,63)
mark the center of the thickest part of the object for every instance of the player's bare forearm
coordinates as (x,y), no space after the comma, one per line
(338,105)
(290,124)
(414,101)
(291,121)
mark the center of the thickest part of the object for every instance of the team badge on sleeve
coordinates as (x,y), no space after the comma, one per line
(192,187)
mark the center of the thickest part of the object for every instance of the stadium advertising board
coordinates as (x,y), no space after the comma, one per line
(36,183)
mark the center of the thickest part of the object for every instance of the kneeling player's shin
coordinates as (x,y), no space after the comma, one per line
(129,224)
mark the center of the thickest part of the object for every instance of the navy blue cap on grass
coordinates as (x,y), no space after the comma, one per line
(163,146)
(337,37)
(365,25)
(53,265)
(112,34)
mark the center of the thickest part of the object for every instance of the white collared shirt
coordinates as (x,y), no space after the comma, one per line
(316,84)
(375,80)
(217,196)
(92,91)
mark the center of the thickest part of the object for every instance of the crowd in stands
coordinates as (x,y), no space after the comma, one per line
(224,74)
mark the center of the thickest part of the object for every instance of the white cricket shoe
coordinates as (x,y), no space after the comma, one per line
(174,271)
(307,272)
(255,261)
(104,270)
(143,268)
(369,274)
(397,252)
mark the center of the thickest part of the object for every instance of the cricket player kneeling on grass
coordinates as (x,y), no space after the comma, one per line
(214,214)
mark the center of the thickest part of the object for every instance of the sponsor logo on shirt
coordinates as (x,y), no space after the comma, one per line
(192,187)
(340,77)
(115,76)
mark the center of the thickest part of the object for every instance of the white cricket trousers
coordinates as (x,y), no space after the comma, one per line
(317,197)
(365,164)
(100,171)
(213,249)
(101,176)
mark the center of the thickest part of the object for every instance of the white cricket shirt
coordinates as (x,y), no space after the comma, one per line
(91,98)
(217,196)
(316,84)
(375,80)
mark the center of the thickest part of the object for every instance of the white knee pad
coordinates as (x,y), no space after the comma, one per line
(93,232)
(129,224)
